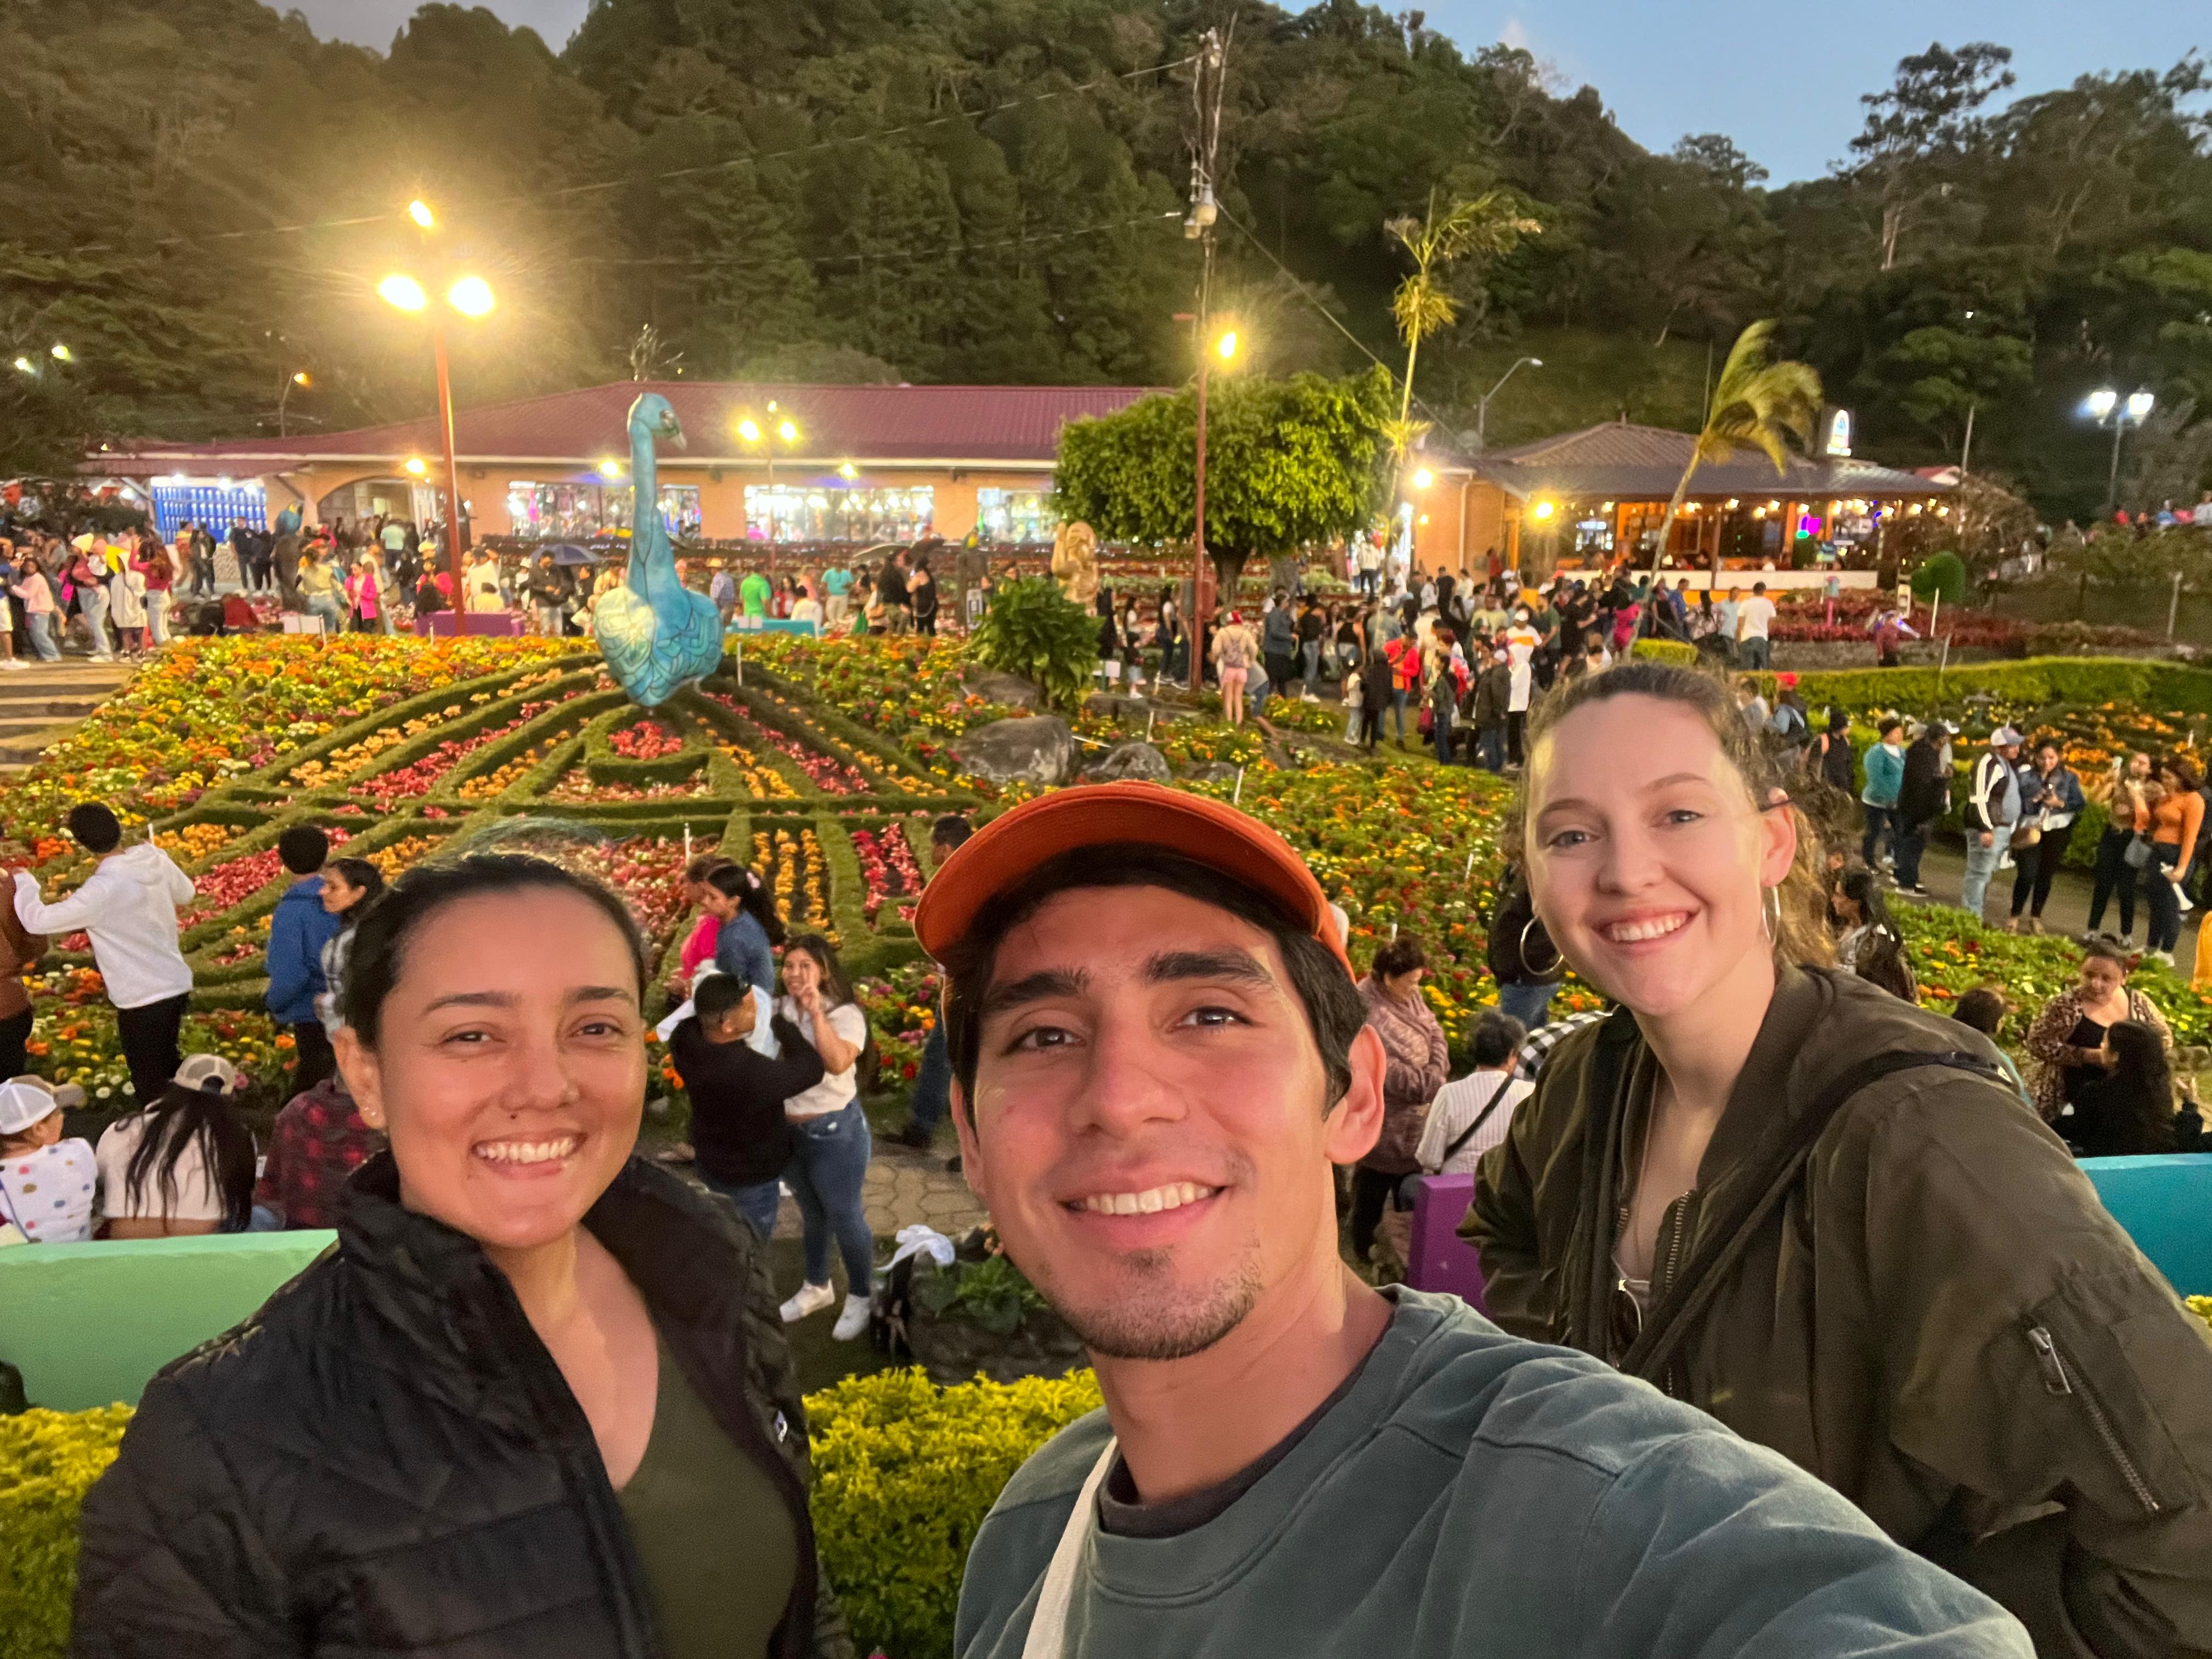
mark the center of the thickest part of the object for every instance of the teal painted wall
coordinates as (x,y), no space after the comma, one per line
(89,1324)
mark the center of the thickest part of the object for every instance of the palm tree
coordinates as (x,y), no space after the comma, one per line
(1490,225)
(1759,405)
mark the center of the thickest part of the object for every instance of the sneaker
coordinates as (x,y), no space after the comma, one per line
(852,1321)
(1918,890)
(811,1299)
(2127,941)
(2165,957)
(12,665)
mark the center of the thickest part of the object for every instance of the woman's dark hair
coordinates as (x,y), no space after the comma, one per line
(1333,1007)
(1497,1037)
(835,980)
(380,940)
(1400,956)
(178,1119)
(2143,1082)
(358,872)
(2109,952)
(1863,889)
(704,866)
(733,880)
(2181,769)
(1983,1009)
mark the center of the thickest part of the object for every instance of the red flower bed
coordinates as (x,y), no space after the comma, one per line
(647,740)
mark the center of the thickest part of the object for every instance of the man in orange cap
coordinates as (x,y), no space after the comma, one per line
(1158,1055)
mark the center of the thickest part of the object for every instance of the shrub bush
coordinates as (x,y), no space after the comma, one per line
(904,1474)
(48,1462)
(1942,573)
(1035,631)
(2169,687)
(1674,652)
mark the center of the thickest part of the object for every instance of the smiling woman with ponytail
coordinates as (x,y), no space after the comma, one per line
(1784,1195)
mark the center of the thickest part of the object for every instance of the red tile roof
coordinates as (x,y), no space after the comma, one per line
(960,424)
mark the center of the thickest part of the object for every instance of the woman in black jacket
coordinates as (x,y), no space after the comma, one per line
(536,1400)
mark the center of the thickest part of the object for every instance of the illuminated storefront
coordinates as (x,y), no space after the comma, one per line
(843,513)
(1015,515)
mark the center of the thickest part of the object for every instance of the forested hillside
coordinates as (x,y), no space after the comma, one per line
(198,197)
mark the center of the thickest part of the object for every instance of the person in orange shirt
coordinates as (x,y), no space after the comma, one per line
(2175,822)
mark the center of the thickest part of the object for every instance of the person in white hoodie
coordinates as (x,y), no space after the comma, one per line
(128,906)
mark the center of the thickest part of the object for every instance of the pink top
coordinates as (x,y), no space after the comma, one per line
(37,595)
(700,947)
(361,588)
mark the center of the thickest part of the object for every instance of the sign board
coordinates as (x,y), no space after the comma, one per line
(1836,433)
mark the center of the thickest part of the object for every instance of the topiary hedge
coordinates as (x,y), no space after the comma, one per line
(904,1474)
(2170,687)
(1667,650)
(48,1462)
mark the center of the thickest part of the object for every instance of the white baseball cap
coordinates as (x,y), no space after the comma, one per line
(21,1105)
(210,1073)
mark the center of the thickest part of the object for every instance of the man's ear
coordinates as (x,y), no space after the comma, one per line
(971,1161)
(1355,1122)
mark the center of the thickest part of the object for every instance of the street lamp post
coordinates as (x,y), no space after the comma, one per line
(472,297)
(2107,408)
(786,429)
(1482,408)
(285,397)
(1225,347)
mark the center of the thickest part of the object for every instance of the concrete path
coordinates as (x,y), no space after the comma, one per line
(1943,869)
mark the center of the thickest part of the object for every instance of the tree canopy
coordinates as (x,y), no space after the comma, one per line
(200,196)
(1289,464)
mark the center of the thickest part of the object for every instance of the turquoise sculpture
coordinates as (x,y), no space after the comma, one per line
(657,635)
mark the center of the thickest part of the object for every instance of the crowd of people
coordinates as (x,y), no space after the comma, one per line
(1819,1220)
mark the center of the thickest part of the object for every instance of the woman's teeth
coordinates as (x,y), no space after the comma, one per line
(1633,932)
(527,1152)
(1150,1202)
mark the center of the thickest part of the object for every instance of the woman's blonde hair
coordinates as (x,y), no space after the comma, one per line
(1799,926)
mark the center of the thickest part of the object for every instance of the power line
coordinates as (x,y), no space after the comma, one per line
(892,257)
(1305,293)
(568,190)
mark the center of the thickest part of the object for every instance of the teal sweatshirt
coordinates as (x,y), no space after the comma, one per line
(1473,1494)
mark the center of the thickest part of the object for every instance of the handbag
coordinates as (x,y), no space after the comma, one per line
(2136,853)
(2027,833)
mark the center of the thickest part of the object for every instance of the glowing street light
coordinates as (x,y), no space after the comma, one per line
(1423,477)
(303,379)
(1227,345)
(611,470)
(62,354)
(1542,510)
(25,366)
(847,472)
(471,297)
(2105,407)
(415,467)
(786,432)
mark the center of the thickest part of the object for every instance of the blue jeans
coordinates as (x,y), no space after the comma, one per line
(327,608)
(1398,704)
(92,606)
(42,624)
(1309,659)
(1440,732)
(1530,1004)
(1981,865)
(1878,818)
(756,1203)
(932,1082)
(1489,748)
(826,1175)
(1753,654)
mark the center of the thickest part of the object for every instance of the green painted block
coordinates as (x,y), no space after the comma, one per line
(89,1324)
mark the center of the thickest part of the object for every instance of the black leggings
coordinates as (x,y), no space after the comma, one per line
(2034,867)
(316,1060)
(149,1044)
(1371,1191)
(2114,876)
(15,1032)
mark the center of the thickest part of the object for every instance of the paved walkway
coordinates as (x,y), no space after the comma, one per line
(1943,869)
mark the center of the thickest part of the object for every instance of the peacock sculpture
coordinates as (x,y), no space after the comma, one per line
(657,635)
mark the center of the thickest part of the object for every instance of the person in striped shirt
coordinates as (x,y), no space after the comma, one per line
(1471,1115)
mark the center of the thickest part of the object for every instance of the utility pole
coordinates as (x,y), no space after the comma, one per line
(1206,85)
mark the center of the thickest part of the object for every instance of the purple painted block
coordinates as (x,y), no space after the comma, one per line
(1442,1260)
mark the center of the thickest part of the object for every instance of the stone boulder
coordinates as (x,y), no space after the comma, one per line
(1132,760)
(1009,689)
(1031,748)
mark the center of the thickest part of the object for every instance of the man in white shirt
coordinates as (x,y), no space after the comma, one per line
(1753,651)
(1472,1115)
(128,906)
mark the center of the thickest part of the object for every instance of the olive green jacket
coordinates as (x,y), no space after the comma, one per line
(1941,1320)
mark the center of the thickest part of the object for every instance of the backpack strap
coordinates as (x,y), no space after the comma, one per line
(1666,1325)
(1482,1117)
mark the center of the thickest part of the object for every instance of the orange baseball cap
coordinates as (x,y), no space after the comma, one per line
(1209,832)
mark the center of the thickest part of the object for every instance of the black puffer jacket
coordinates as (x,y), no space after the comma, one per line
(384,1459)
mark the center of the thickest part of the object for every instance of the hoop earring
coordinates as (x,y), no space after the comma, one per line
(1521,949)
(1771,895)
